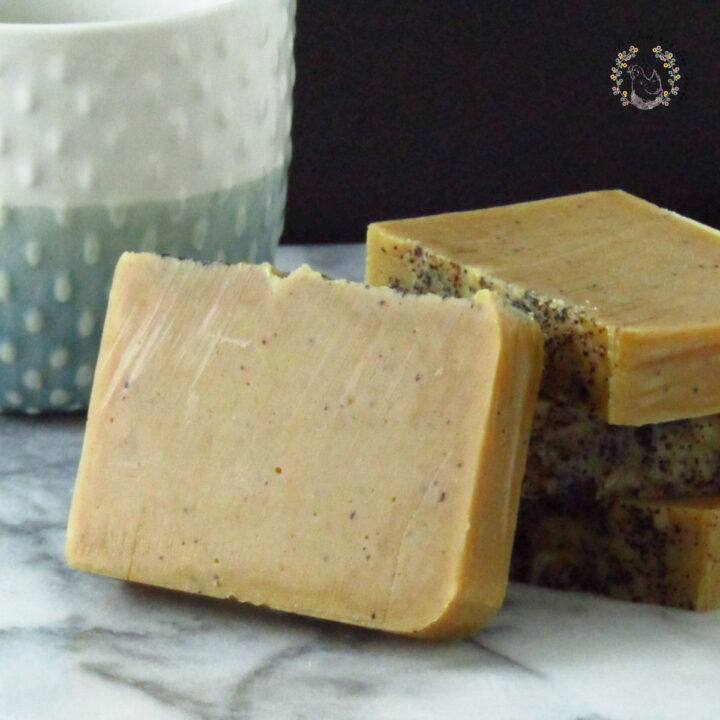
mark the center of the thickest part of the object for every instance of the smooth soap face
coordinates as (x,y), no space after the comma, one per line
(665,552)
(628,294)
(315,446)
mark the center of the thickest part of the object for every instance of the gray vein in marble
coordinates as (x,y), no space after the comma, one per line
(157,691)
(502,658)
(259,679)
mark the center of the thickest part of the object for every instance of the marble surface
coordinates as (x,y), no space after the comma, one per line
(80,646)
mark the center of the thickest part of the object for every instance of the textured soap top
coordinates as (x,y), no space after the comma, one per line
(624,260)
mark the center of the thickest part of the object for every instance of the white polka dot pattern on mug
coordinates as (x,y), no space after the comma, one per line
(8,355)
(182,152)
(231,71)
(54,286)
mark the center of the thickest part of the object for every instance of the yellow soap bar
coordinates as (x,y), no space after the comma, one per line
(665,552)
(315,446)
(627,294)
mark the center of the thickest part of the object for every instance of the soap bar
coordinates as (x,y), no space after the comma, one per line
(314,446)
(665,552)
(573,452)
(627,294)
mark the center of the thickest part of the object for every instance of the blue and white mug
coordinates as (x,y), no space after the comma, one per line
(128,125)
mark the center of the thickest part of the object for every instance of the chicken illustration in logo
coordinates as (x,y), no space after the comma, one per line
(648,88)
(645,92)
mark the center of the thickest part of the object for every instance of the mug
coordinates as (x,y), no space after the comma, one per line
(128,125)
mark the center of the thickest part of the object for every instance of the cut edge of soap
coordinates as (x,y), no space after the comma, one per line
(463,615)
(633,348)
(627,197)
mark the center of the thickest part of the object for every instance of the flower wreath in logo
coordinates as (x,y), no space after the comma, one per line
(670,64)
(621,63)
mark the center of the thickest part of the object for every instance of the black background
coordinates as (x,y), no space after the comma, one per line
(412,108)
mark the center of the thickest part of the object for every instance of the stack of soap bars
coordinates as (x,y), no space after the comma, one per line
(621,493)
(356,453)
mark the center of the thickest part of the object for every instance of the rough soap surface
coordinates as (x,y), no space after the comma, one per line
(576,454)
(665,551)
(320,447)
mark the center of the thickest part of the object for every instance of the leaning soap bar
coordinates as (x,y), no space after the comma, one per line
(665,552)
(315,446)
(627,294)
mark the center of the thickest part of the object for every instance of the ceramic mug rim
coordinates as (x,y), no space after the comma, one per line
(184,13)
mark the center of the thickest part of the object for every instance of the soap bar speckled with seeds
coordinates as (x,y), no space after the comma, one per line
(575,453)
(653,551)
(316,446)
(627,294)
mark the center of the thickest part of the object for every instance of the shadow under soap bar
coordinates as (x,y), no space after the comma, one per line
(315,446)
